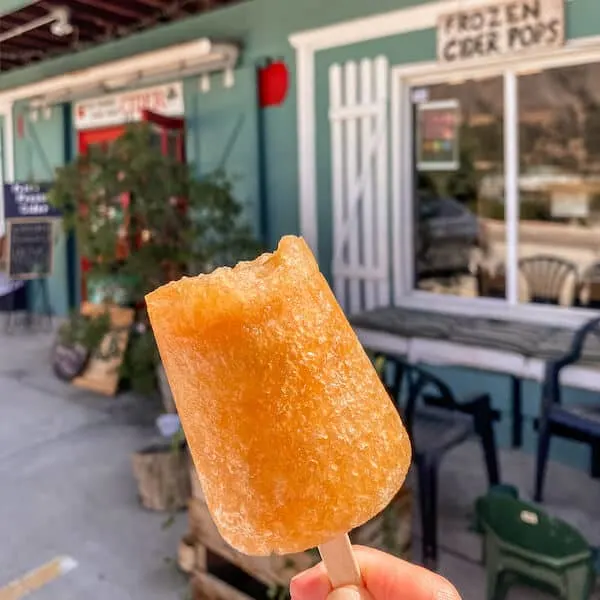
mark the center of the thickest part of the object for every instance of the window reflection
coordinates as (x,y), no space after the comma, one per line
(559,186)
(459,188)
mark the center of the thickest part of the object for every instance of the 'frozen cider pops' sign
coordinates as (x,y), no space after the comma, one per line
(499,29)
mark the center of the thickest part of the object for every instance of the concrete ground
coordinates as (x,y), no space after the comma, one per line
(66,488)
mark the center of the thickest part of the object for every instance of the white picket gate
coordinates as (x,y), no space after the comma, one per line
(358,116)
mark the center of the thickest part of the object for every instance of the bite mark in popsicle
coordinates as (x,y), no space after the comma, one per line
(294,437)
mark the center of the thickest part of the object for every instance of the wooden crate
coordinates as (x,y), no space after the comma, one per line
(102,375)
(390,531)
(206,587)
(271,570)
(197,491)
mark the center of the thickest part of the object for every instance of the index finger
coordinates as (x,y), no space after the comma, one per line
(385,577)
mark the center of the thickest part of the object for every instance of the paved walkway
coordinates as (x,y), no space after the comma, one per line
(66,487)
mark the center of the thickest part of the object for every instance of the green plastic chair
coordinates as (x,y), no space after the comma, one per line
(524,545)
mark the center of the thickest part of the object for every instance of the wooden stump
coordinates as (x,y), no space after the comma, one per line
(162,475)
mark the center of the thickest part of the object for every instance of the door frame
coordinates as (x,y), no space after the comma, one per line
(86,138)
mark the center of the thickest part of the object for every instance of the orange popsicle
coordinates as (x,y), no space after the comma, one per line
(292,433)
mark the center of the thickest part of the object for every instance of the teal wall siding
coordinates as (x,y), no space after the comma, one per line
(8,6)
(38,152)
(223,134)
(280,163)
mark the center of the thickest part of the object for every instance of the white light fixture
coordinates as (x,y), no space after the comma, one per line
(205,83)
(61,26)
(202,56)
(116,83)
(47,110)
(59,19)
(228,78)
(34,115)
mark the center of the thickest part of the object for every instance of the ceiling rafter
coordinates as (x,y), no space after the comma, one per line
(122,9)
(94,22)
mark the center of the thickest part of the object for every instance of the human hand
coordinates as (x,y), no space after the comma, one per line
(385,577)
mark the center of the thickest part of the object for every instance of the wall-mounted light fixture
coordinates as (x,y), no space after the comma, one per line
(203,56)
(59,19)
(205,83)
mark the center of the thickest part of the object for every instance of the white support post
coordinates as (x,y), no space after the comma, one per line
(337,172)
(307,175)
(368,222)
(381,178)
(7,156)
(349,248)
(511,185)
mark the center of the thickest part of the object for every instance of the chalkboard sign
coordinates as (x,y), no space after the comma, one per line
(30,248)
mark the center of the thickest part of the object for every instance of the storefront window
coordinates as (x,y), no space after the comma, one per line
(506,186)
(459,188)
(559,186)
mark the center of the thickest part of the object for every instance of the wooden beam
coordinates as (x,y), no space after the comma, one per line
(21,18)
(154,3)
(22,43)
(111,8)
(8,62)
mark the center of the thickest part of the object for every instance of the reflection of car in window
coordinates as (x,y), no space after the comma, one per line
(446,234)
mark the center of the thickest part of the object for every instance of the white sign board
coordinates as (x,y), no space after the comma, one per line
(437,137)
(570,205)
(499,29)
(127,107)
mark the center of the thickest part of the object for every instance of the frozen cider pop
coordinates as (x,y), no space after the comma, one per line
(294,437)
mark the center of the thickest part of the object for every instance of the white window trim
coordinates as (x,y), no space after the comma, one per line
(7,169)
(426,73)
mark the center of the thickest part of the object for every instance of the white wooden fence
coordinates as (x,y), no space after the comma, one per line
(358,116)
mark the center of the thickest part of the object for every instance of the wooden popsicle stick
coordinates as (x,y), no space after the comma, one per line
(340,562)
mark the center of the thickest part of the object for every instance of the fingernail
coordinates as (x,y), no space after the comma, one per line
(345,593)
(447,593)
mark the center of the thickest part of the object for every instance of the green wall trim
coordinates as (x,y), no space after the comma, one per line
(8,6)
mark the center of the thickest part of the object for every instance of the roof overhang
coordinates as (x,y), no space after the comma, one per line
(34,32)
(183,60)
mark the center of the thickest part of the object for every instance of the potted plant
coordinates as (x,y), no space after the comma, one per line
(142,219)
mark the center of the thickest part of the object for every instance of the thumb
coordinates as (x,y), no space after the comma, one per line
(350,592)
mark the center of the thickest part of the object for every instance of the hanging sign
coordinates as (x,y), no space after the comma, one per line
(437,135)
(499,29)
(27,200)
(127,107)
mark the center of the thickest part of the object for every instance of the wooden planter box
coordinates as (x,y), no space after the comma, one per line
(390,531)
(162,476)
